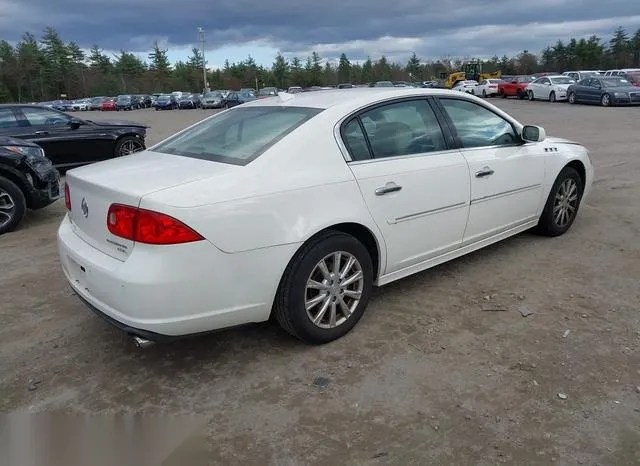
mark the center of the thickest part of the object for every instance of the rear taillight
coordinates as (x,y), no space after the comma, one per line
(67,196)
(147,226)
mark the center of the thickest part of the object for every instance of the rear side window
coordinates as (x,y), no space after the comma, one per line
(237,136)
(7,118)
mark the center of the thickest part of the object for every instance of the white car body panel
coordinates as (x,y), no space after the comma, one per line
(490,88)
(255,217)
(543,91)
(432,205)
(465,86)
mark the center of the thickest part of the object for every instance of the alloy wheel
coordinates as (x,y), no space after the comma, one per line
(334,289)
(7,208)
(130,146)
(606,100)
(565,204)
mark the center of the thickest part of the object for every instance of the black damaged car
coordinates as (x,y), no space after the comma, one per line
(69,141)
(28,180)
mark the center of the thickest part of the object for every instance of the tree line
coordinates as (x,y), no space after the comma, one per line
(46,68)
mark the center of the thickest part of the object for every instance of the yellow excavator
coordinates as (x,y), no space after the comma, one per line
(472,71)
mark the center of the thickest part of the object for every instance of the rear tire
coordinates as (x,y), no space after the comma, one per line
(13,205)
(484,93)
(128,145)
(562,205)
(294,293)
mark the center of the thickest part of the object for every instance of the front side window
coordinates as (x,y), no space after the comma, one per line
(237,136)
(403,128)
(43,116)
(477,126)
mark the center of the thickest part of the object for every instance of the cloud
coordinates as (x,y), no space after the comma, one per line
(356,27)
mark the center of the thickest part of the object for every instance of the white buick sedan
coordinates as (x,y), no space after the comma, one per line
(296,206)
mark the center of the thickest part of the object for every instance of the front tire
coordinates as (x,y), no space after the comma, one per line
(562,204)
(484,93)
(605,100)
(531,96)
(552,97)
(13,205)
(325,288)
(571,98)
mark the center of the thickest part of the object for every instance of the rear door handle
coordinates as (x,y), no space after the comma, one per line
(390,187)
(41,133)
(486,171)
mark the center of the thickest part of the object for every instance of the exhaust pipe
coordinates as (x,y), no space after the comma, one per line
(142,342)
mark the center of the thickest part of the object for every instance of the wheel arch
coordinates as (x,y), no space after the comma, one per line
(362,234)
(578,166)
(19,181)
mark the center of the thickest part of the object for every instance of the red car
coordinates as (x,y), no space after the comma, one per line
(108,104)
(514,86)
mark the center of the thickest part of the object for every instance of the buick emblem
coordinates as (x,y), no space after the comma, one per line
(85,207)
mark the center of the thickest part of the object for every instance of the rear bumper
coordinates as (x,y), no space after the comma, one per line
(173,291)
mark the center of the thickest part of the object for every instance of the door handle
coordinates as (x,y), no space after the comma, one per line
(390,187)
(486,171)
(41,133)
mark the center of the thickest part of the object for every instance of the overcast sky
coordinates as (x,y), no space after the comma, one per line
(395,28)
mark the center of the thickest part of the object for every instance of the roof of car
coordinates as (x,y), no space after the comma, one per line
(355,96)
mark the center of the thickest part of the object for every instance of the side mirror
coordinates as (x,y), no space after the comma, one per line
(532,133)
(74,123)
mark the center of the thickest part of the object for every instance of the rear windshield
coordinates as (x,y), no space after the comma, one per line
(559,80)
(239,135)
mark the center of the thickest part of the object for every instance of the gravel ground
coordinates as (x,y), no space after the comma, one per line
(442,369)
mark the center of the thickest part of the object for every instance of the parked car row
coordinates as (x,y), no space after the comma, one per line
(613,87)
(36,142)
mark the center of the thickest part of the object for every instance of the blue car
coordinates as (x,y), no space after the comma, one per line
(166,102)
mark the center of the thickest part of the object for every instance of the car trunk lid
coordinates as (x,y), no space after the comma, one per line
(127,180)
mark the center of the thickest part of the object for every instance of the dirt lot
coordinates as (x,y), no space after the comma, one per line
(442,369)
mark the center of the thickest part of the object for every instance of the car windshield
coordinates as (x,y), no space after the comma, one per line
(124,97)
(614,82)
(211,95)
(248,94)
(566,80)
(164,97)
(237,136)
(525,79)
